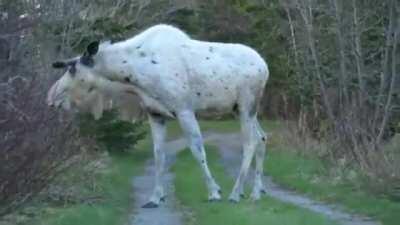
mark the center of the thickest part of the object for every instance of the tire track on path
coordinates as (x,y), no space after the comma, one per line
(229,146)
(167,213)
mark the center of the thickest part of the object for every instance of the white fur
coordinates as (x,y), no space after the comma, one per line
(178,77)
(184,68)
(83,93)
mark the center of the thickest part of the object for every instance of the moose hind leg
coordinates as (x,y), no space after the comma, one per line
(158,132)
(258,187)
(249,138)
(192,133)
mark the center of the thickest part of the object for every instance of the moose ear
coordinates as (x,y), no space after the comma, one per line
(59,65)
(93,48)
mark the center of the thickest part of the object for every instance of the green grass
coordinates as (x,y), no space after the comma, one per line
(223,126)
(115,189)
(310,176)
(191,191)
(234,126)
(307,175)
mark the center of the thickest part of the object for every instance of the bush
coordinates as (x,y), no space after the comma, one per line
(111,133)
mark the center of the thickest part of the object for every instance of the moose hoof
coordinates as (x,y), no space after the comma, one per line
(234,201)
(234,198)
(150,205)
(214,200)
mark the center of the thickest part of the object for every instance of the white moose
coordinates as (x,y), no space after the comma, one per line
(177,77)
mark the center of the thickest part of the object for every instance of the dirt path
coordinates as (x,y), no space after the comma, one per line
(230,150)
(167,213)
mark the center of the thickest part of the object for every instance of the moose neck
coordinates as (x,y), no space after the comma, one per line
(112,64)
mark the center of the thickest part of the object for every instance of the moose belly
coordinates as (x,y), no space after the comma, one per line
(215,103)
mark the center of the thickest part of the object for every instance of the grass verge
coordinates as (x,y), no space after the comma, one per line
(191,191)
(310,175)
(114,186)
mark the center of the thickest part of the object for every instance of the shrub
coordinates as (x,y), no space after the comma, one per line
(111,133)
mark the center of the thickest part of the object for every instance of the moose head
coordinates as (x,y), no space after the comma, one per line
(82,89)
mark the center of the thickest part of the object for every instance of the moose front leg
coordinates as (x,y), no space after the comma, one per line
(158,132)
(192,133)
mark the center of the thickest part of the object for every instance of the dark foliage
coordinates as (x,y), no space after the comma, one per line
(110,133)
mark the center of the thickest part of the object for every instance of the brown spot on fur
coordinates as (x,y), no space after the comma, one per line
(235,108)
